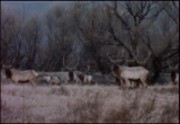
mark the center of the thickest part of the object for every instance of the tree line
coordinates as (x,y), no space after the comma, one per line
(139,33)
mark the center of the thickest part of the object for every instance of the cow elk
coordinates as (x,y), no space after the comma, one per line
(20,76)
(125,75)
(54,80)
(50,79)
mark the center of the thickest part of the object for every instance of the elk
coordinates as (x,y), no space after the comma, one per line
(85,78)
(71,76)
(174,75)
(54,80)
(20,76)
(126,75)
(50,79)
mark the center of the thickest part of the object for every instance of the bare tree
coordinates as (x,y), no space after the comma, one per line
(58,37)
(32,35)
(10,34)
(135,21)
(93,26)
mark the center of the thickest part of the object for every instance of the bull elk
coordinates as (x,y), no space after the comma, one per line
(20,76)
(126,75)
(174,75)
(72,76)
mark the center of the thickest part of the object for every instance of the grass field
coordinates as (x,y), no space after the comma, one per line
(96,103)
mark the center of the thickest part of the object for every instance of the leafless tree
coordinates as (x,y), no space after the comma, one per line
(92,23)
(134,22)
(32,35)
(10,34)
(59,37)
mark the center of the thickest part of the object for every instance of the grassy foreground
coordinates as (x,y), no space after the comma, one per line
(97,103)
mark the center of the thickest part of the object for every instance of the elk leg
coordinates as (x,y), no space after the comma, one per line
(50,83)
(127,82)
(118,81)
(16,82)
(144,82)
(123,82)
(32,82)
(132,83)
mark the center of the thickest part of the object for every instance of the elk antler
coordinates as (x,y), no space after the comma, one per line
(88,68)
(145,60)
(113,61)
(67,67)
(75,66)
(70,68)
(6,66)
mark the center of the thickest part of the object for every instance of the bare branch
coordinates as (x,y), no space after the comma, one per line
(119,16)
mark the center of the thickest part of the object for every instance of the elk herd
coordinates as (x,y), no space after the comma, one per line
(125,76)
(31,76)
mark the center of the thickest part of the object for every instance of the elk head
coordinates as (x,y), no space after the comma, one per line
(7,70)
(115,68)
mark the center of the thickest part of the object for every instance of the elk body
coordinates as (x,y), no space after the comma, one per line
(21,76)
(125,75)
(54,80)
(86,79)
(129,74)
(51,79)
(68,76)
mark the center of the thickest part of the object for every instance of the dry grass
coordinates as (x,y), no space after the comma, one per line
(97,103)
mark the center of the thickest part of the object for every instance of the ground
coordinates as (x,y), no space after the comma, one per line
(86,103)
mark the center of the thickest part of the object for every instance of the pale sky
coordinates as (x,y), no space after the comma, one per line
(34,7)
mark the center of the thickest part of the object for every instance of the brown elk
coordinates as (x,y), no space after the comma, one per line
(72,76)
(85,78)
(19,75)
(174,75)
(126,75)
